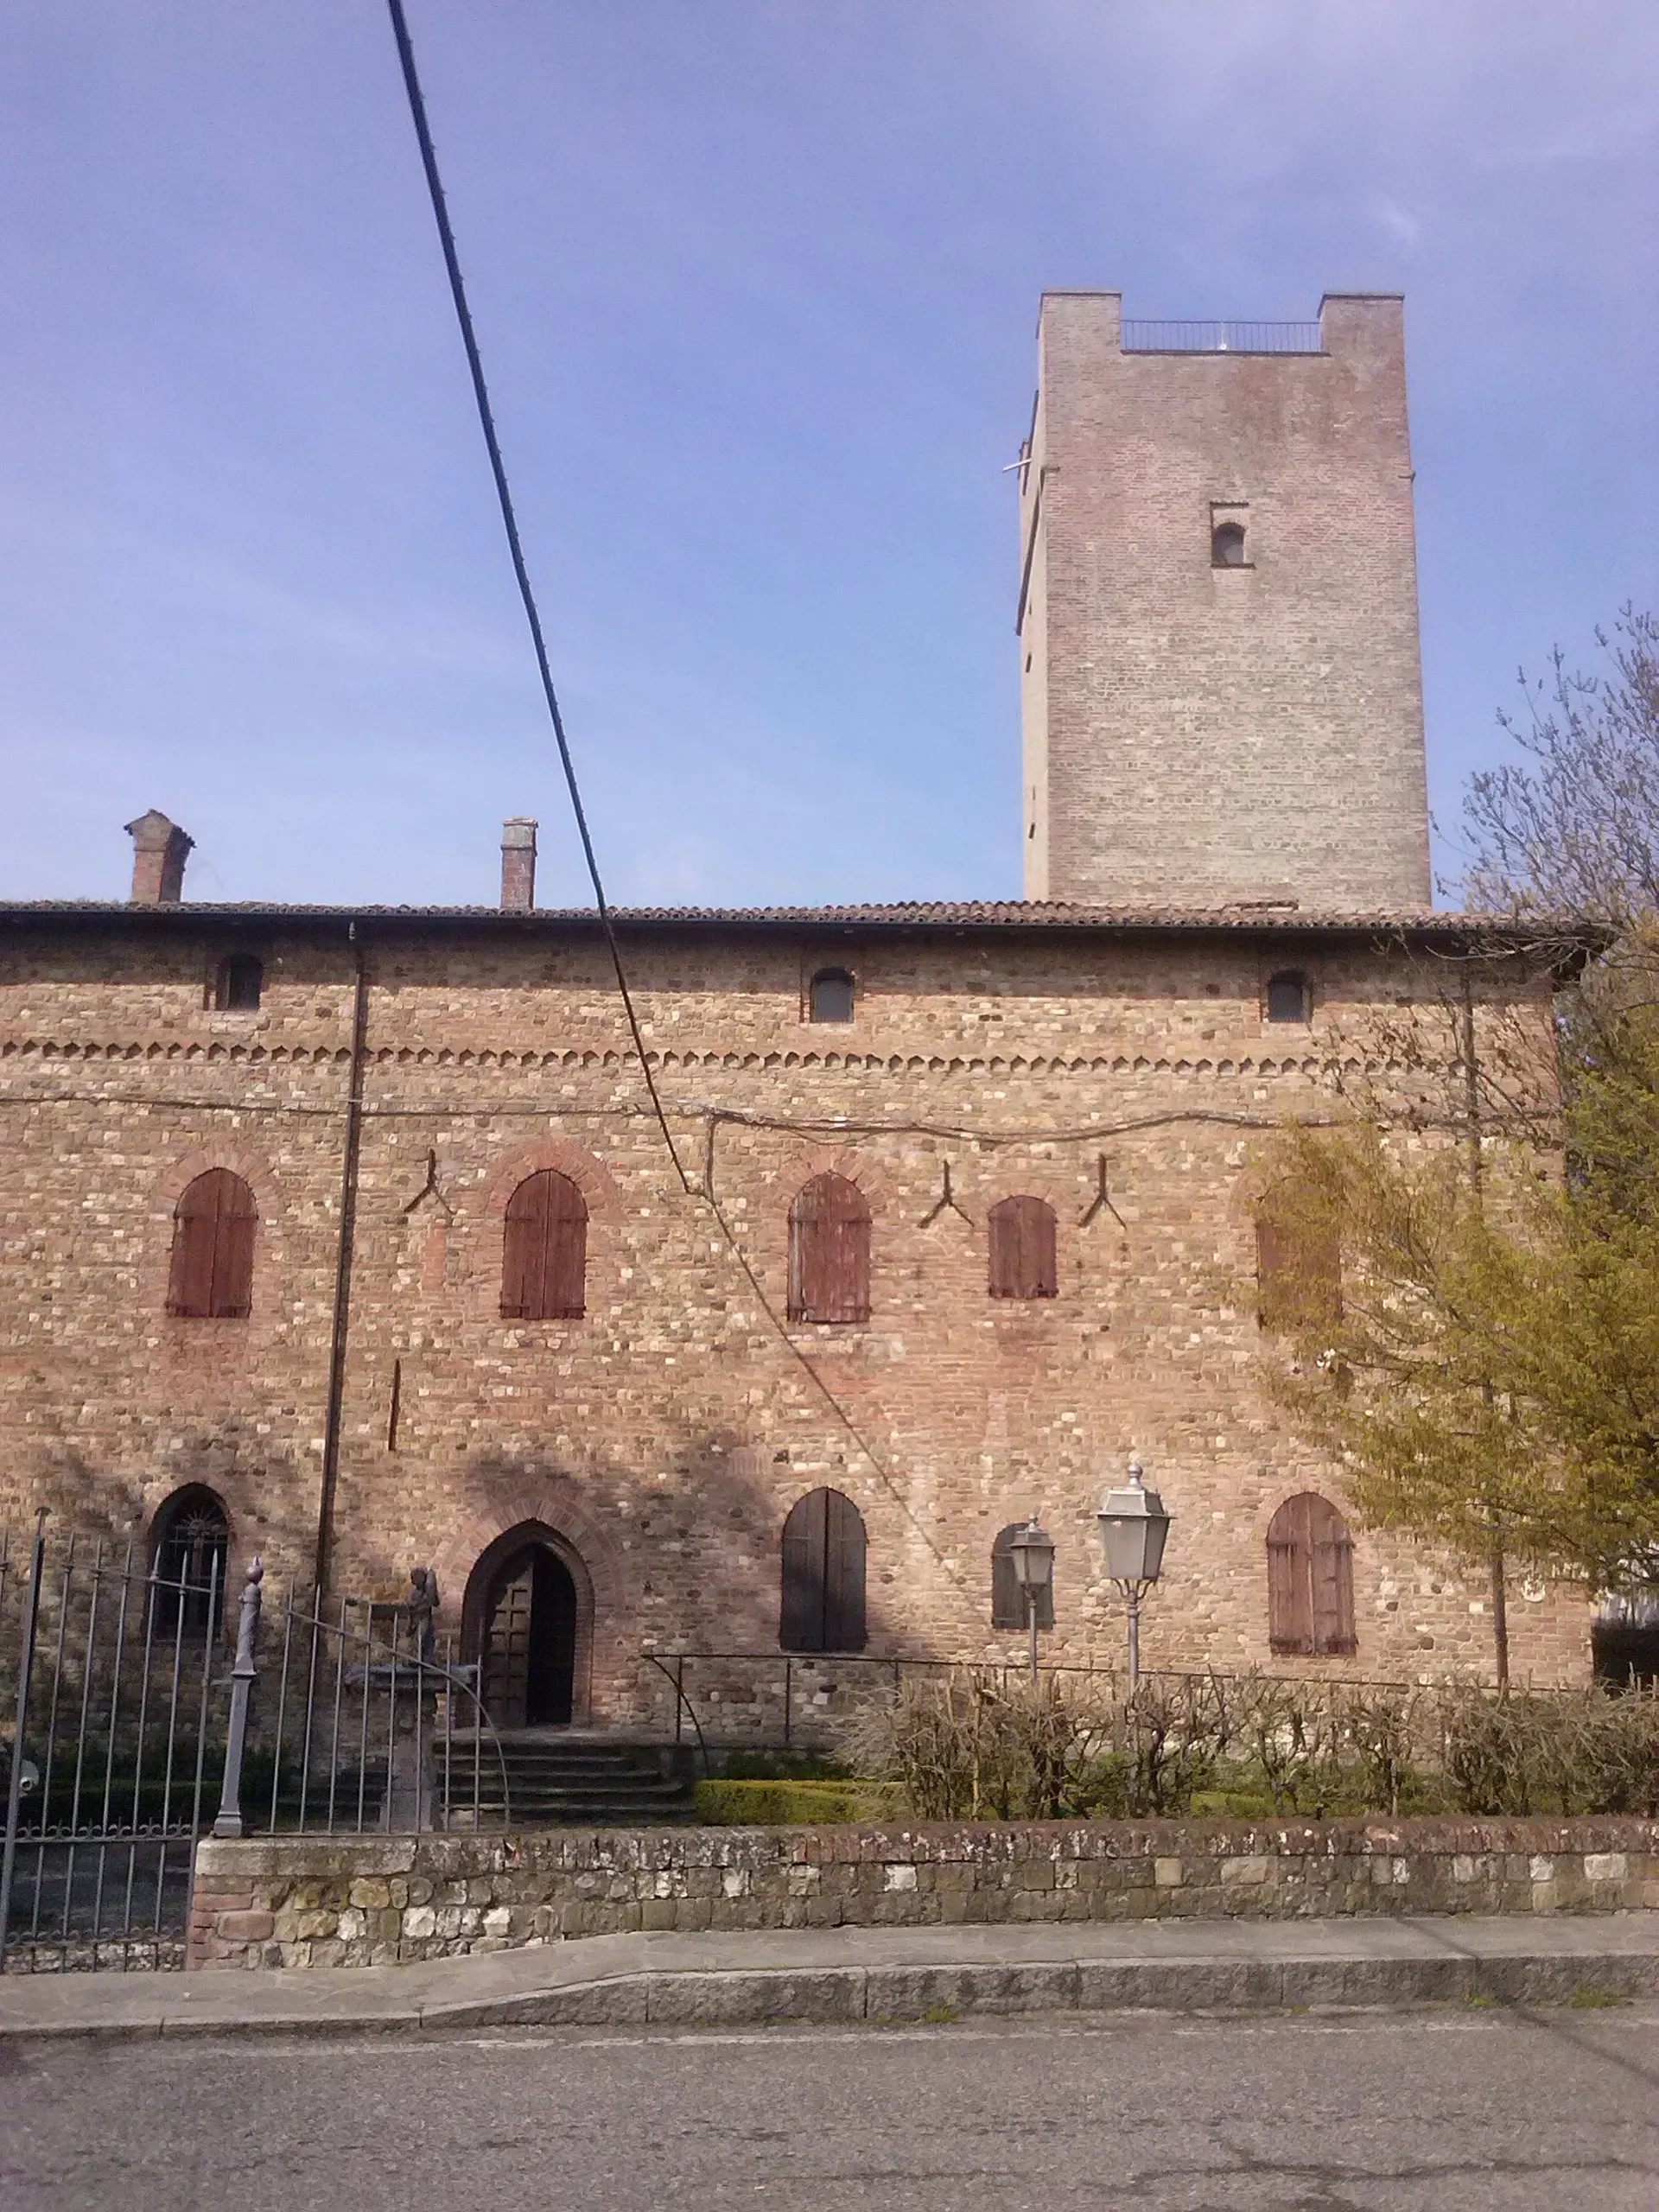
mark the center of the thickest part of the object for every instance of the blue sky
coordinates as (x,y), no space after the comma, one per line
(757,284)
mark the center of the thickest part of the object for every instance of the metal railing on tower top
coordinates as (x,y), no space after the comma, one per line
(1223,337)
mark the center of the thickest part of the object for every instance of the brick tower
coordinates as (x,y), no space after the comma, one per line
(1222,696)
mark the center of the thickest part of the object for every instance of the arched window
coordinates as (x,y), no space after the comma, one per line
(212,1273)
(1310,1579)
(237,984)
(1007,1598)
(189,1542)
(1298,1267)
(823,1574)
(1023,1262)
(830,995)
(1227,545)
(544,1250)
(830,1252)
(1289,998)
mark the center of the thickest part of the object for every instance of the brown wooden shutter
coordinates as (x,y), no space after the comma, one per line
(843,1577)
(211,1274)
(830,1252)
(823,1549)
(1024,1261)
(1299,1276)
(1007,1598)
(1331,1574)
(1290,1582)
(544,1250)
(801,1624)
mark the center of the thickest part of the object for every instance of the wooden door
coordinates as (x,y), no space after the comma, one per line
(507,1631)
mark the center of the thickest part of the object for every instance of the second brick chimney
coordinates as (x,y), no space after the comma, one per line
(518,865)
(159,849)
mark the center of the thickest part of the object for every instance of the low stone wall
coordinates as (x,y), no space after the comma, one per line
(376,1900)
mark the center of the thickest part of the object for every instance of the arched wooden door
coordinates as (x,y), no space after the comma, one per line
(527,1641)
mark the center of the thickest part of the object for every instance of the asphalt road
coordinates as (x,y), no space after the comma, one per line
(1471,2112)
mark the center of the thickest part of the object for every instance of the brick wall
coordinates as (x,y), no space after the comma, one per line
(665,1434)
(1196,734)
(369,1902)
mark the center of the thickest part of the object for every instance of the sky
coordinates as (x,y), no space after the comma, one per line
(756,283)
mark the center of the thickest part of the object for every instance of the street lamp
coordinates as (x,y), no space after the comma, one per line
(1133,1526)
(1032,1549)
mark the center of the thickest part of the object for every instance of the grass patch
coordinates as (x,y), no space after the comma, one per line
(1594,1999)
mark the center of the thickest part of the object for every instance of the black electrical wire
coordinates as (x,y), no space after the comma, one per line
(510,521)
(498,469)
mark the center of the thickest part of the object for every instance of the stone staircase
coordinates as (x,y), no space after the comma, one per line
(557,1775)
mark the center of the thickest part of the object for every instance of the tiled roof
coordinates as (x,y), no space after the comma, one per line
(930,914)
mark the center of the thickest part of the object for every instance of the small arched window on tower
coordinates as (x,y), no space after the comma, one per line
(1227,545)
(830,1252)
(238,982)
(1023,1257)
(830,995)
(822,1574)
(1289,998)
(544,1250)
(188,1545)
(1310,1580)
(209,1277)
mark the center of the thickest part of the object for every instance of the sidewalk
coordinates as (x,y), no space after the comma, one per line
(876,1973)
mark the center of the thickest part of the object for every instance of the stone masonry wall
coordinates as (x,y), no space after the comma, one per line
(665,1434)
(374,1902)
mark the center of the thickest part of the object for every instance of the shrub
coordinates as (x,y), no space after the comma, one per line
(725,1803)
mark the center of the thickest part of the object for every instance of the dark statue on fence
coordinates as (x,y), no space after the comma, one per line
(422,1607)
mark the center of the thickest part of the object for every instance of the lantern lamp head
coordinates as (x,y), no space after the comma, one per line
(1133,1529)
(1032,1549)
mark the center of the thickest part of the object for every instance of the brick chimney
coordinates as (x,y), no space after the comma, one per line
(159,848)
(517,865)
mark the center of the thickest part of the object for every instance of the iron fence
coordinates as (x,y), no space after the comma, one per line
(1223,337)
(740,1701)
(142,1718)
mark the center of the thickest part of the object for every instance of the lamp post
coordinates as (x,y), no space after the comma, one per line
(1032,1549)
(1133,1526)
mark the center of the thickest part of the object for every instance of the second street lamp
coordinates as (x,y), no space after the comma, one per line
(1133,1528)
(1032,1549)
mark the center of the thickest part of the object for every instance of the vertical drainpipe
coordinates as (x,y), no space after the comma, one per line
(343,1270)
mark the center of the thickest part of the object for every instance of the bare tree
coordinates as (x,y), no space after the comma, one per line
(1573,828)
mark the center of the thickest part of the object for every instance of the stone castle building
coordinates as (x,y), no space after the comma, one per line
(353,1232)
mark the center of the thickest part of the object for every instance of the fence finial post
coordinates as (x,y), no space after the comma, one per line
(230,1821)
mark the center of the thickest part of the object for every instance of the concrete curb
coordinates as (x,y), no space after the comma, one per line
(846,1995)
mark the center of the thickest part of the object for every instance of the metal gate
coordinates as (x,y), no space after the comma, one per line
(147,1707)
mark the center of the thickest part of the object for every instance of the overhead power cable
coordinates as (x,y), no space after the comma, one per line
(497,469)
(510,522)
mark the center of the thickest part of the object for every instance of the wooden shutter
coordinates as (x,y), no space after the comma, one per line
(1024,1262)
(1007,1598)
(1331,1574)
(211,1276)
(830,1252)
(1290,1582)
(1299,1276)
(823,1549)
(843,1574)
(801,1623)
(544,1250)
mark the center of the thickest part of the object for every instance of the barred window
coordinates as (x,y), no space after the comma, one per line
(830,994)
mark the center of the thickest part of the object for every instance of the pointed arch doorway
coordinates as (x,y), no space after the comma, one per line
(528,1623)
